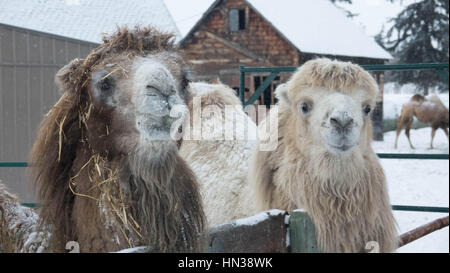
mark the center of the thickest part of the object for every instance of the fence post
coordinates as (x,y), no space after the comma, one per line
(302,233)
(242,85)
(264,232)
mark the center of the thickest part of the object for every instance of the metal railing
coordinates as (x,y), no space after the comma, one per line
(387,156)
(275,71)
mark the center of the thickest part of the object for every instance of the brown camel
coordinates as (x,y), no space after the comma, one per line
(427,110)
(108,173)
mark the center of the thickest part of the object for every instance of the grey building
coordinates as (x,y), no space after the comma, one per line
(28,63)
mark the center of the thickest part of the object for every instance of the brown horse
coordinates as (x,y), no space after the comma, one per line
(427,110)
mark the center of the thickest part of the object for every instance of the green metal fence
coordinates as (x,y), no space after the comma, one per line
(275,71)
(387,156)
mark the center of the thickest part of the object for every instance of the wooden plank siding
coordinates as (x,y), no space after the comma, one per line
(214,51)
(29,61)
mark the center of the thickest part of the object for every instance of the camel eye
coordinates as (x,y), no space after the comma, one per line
(106,85)
(305,108)
(367,109)
(153,91)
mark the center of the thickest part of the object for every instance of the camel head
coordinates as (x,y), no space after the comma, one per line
(331,103)
(327,162)
(104,161)
(128,90)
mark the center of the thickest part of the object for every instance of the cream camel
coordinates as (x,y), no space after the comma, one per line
(323,161)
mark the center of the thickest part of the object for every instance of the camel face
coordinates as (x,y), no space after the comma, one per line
(156,94)
(334,119)
(330,103)
(142,92)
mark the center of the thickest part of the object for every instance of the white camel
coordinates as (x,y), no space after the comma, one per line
(322,160)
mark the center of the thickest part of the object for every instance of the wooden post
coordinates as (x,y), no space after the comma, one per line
(242,85)
(302,233)
(377,115)
(262,233)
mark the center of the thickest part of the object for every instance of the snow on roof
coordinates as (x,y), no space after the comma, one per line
(319,27)
(313,26)
(86,20)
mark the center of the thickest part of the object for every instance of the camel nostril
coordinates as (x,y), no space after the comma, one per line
(348,123)
(341,123)
(335,122)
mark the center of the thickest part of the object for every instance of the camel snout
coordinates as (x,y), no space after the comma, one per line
(341,121)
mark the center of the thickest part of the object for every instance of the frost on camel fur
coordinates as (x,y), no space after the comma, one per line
(323,161)
(108,174)
(18,226)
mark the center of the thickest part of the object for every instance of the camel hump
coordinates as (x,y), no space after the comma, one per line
(417,98)
(434,99)
(213,94)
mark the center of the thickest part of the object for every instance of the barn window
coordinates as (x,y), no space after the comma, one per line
(238,19)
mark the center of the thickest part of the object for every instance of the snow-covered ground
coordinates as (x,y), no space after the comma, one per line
(418,182)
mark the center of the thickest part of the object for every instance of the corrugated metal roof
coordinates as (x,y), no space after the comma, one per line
(85,20)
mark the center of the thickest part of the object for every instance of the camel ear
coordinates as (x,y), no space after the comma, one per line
(65,76)
(282,93)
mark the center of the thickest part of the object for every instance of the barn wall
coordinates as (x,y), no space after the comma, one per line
(28,63)
(259,37)
(258,45)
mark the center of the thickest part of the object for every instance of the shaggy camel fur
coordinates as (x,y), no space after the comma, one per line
(107,172)
(323,161)
(427,110)
(220,163)
(19,226)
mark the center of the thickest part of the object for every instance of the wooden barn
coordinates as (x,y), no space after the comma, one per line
(275,33)
(37,38)
(263,33)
